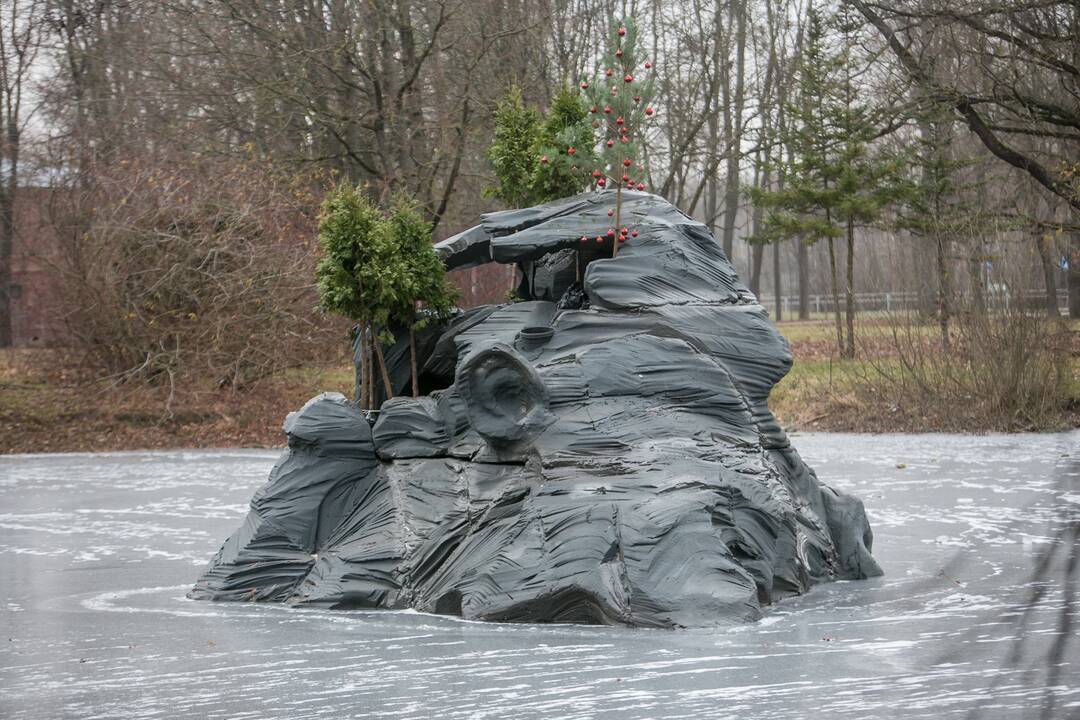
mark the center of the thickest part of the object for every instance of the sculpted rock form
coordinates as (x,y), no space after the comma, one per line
(600,453)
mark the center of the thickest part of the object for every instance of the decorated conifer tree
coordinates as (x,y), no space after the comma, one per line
(619,103)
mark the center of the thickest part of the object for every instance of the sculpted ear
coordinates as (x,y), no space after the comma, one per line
(505,398)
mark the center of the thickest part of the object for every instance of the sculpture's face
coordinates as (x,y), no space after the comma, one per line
(610,461)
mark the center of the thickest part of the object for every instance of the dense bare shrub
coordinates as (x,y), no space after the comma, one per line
(196,267)
(1006,369)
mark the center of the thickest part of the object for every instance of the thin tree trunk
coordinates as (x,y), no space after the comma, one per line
(849,311)
(7,241)
(382,366)
(369,354)
(1074,274)
(777,289)
(412,362)
(7,233)
(733,122)
(618,220)
(835,298)
(360,381)
(757,256)
(1049,278)
(757,250)
(978,281)
(944,290)
(362,366)
(804,279)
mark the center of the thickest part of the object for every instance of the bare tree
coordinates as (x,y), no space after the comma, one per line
(1017,88)
(21,24)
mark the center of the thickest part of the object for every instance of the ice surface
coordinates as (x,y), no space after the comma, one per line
(97,551)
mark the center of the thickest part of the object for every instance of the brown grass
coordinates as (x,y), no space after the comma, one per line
(49,404)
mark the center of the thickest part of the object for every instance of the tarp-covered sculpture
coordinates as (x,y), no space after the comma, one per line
(599,453)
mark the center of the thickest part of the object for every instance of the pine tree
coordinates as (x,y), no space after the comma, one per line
(834,179)
(619,101)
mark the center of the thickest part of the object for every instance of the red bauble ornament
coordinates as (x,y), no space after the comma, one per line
(592,108)
(628,78)
(570,151)
(626,178)
(622,32)
(610,213)
(622,238)
(596,173)
(633,234)
(624,139)
(648,65)
(649,110)
(637,98)
(583,238)
(611,143)
(641,186)
(623,231)
(609,72)
(584,85)
(599,239)
(601,182)
(607,109)
(619,120)
(618,53)
(626,162)
(611,232)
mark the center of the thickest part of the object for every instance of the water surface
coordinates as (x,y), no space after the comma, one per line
(974,534)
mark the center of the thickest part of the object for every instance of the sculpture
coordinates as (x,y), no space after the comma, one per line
(600,453)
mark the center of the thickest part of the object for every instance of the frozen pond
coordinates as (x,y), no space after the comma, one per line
(97,551)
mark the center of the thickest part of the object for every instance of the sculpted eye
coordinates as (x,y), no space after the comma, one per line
(506,400)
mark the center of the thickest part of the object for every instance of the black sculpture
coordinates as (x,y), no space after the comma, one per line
(600,453)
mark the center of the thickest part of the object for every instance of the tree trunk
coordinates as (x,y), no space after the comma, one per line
(762,180)
(1049,277)
(618,220)
(362,366)
(849,311)
(382,367)
(944,289)
(835,298)
(978,278)
(369,355)
(7,241)
(1074,275)
(804,279)
(777,285)
(733,127)
(412,362)
(757,255)
(7,233)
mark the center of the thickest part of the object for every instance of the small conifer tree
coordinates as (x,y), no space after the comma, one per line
(349,232)
(834,179)
(556,173)
(416,275)
(512,152)
(619,102)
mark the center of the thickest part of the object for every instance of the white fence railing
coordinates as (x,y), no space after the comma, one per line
(996,297)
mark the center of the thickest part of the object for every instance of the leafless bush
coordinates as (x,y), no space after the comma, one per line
(1006,369)
(196,268)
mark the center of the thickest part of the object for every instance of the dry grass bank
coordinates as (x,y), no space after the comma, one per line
(49,404)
